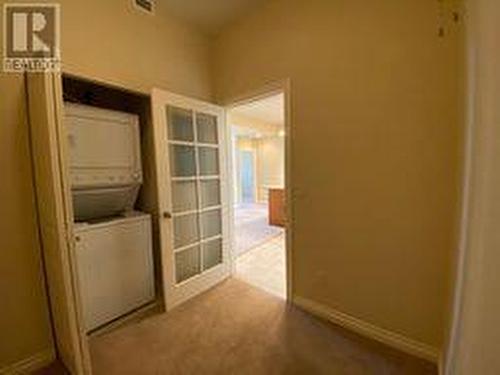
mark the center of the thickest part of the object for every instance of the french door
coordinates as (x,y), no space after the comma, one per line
(193,196)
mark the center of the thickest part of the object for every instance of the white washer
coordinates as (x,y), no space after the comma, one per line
(115,267)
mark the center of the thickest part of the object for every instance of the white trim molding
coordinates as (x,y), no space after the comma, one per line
(272,88)
(371,331)
(30,364)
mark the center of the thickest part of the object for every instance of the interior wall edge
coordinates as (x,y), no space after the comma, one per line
(453,334)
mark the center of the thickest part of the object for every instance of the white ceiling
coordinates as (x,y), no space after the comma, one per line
(269,110)
(210,16)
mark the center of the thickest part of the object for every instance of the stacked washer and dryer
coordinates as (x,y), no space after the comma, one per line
(113,250)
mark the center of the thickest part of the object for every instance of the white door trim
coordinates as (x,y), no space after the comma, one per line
(47,135)
(270,89)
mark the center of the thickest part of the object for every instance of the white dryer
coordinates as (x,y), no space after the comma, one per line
(104,160)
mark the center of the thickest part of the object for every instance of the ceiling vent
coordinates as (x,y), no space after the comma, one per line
(147,6)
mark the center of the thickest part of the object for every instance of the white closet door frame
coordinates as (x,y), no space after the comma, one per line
(177,293)
(55,215)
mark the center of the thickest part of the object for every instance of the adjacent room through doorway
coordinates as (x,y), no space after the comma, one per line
(258,160)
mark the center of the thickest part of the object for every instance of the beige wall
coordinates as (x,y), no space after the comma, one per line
(246,144)
(375,136)
(270,164)
(24,325)
(242,144)
(133,49)
(269,154)
(104,40)
(477,329)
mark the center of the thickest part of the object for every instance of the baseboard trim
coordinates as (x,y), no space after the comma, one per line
(134,315)
(30,364)
(389,338)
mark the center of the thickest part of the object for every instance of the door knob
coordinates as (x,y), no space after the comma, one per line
(167,215)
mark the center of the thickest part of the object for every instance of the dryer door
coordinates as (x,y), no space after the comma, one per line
(91,204)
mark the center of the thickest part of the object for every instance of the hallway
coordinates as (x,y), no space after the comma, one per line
(237,329)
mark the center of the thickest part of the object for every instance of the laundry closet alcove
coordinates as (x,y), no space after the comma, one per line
(176,201)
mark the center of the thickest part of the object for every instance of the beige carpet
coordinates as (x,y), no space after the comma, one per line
(238,329)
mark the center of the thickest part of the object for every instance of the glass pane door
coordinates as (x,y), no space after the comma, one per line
(195,172)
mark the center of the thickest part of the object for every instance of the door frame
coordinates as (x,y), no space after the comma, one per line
(55,218)
(269,89)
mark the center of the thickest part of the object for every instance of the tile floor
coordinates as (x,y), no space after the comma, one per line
(264,266)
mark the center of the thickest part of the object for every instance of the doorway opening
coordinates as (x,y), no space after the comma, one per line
(257,128)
